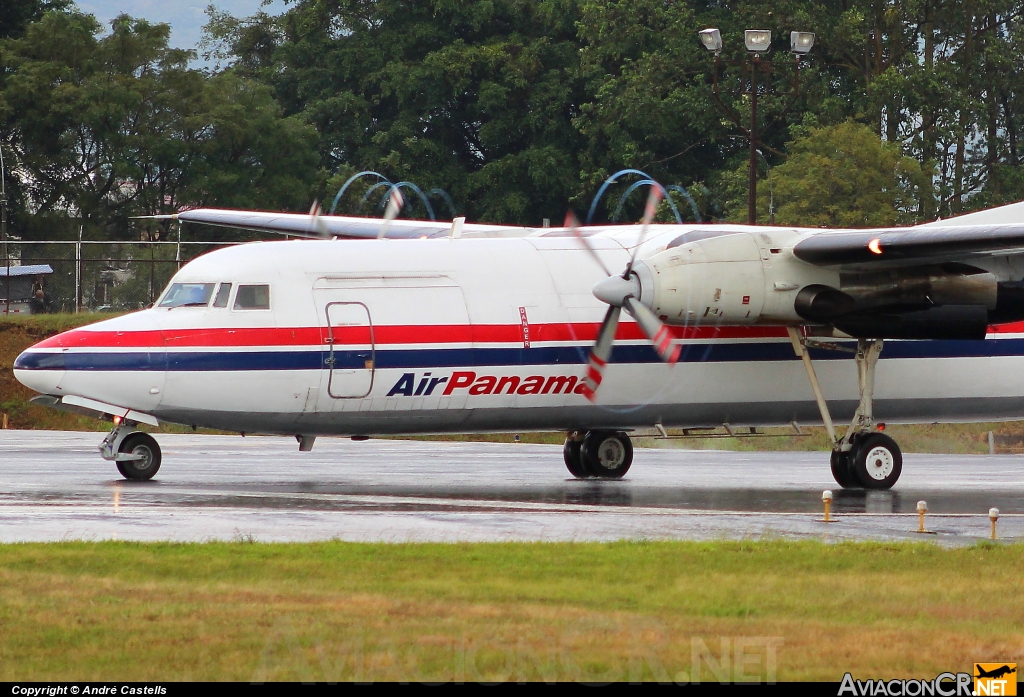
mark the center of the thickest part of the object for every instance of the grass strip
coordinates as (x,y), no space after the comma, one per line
(505,611)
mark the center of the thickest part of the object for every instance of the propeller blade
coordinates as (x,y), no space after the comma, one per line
(395,203)
(656,330)
(573,224)
(601,352)
(316,220)
(653,199)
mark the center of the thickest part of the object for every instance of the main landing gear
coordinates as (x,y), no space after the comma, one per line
(864,457)
(136,454)
(598,454)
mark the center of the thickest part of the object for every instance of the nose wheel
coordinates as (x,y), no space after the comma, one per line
(145,456)
(136,454)
(598,454)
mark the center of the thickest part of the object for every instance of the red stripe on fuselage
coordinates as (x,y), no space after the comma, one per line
(1011,328)
(383,335)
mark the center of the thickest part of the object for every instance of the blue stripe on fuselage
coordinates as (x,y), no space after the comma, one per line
(208,360)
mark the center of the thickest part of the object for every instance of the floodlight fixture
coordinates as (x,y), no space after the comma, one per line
(801,42)
(757,40)
(712,40)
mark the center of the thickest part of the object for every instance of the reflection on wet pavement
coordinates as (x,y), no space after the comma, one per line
(55,486)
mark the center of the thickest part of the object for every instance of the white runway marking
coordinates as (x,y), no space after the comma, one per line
(56,487)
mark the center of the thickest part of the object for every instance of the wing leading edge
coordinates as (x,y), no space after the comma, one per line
(905,246)
(304,225)
(994,232)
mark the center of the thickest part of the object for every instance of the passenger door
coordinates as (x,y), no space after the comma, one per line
(351,354)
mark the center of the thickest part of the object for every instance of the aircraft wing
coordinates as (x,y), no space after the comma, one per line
(882,248)
(993,232)
(305,225)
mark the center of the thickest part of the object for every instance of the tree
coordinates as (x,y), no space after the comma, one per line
(16,15)
(473,97)
(844,176)
(105,128)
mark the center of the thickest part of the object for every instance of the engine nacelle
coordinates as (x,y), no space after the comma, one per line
(717,280)
(742,278)
(923,303)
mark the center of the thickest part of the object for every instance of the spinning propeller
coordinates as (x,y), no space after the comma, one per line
(395,203)
(623,292)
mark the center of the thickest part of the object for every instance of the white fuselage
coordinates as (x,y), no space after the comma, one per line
(426,336)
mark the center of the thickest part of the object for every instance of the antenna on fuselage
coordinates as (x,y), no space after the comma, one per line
(456,231)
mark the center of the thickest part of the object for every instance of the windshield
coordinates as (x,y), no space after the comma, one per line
(188,295)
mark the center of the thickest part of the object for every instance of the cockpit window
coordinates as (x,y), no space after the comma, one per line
(222,295)
(188,295)
(253,297)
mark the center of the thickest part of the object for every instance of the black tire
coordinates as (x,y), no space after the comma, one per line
(606,454)
(878,462)
(139,444)
(842,469)
(571,455)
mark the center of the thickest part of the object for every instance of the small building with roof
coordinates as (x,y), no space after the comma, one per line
(23,289)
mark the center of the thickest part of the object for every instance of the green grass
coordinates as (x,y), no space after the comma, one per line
(47,325)
(330,611)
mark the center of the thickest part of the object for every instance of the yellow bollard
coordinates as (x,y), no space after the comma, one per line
(4,426)
(826,497)
(922,508)
(993,515)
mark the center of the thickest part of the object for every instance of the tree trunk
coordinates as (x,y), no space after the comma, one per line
(957,204)
(992,141)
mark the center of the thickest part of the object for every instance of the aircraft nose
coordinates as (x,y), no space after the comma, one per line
(40,369)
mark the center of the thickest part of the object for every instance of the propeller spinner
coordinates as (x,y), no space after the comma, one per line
(623,292)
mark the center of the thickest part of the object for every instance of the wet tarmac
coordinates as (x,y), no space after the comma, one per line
(54,486)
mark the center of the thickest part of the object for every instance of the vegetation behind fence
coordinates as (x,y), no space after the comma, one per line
(100,276)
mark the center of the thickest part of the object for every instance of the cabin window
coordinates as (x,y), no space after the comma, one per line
(222,295)
(254,297)
(188,295)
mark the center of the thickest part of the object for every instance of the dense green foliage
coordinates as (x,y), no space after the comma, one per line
(843,176)
(518,108)
(104,128)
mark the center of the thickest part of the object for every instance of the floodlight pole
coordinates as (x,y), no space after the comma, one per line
(752,133)
(752,137)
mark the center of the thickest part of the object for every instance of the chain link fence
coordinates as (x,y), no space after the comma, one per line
(88,276)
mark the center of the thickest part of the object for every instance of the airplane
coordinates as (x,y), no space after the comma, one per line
(367,327)
(995,673)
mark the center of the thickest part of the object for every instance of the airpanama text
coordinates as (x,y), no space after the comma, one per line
(409,386)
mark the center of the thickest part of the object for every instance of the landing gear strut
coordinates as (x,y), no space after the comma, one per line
(136,454)
(863,457)
(599,454)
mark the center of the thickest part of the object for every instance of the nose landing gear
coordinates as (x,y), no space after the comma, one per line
(598,454)
(136,454)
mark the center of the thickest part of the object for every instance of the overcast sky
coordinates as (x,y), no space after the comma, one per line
(186,17)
